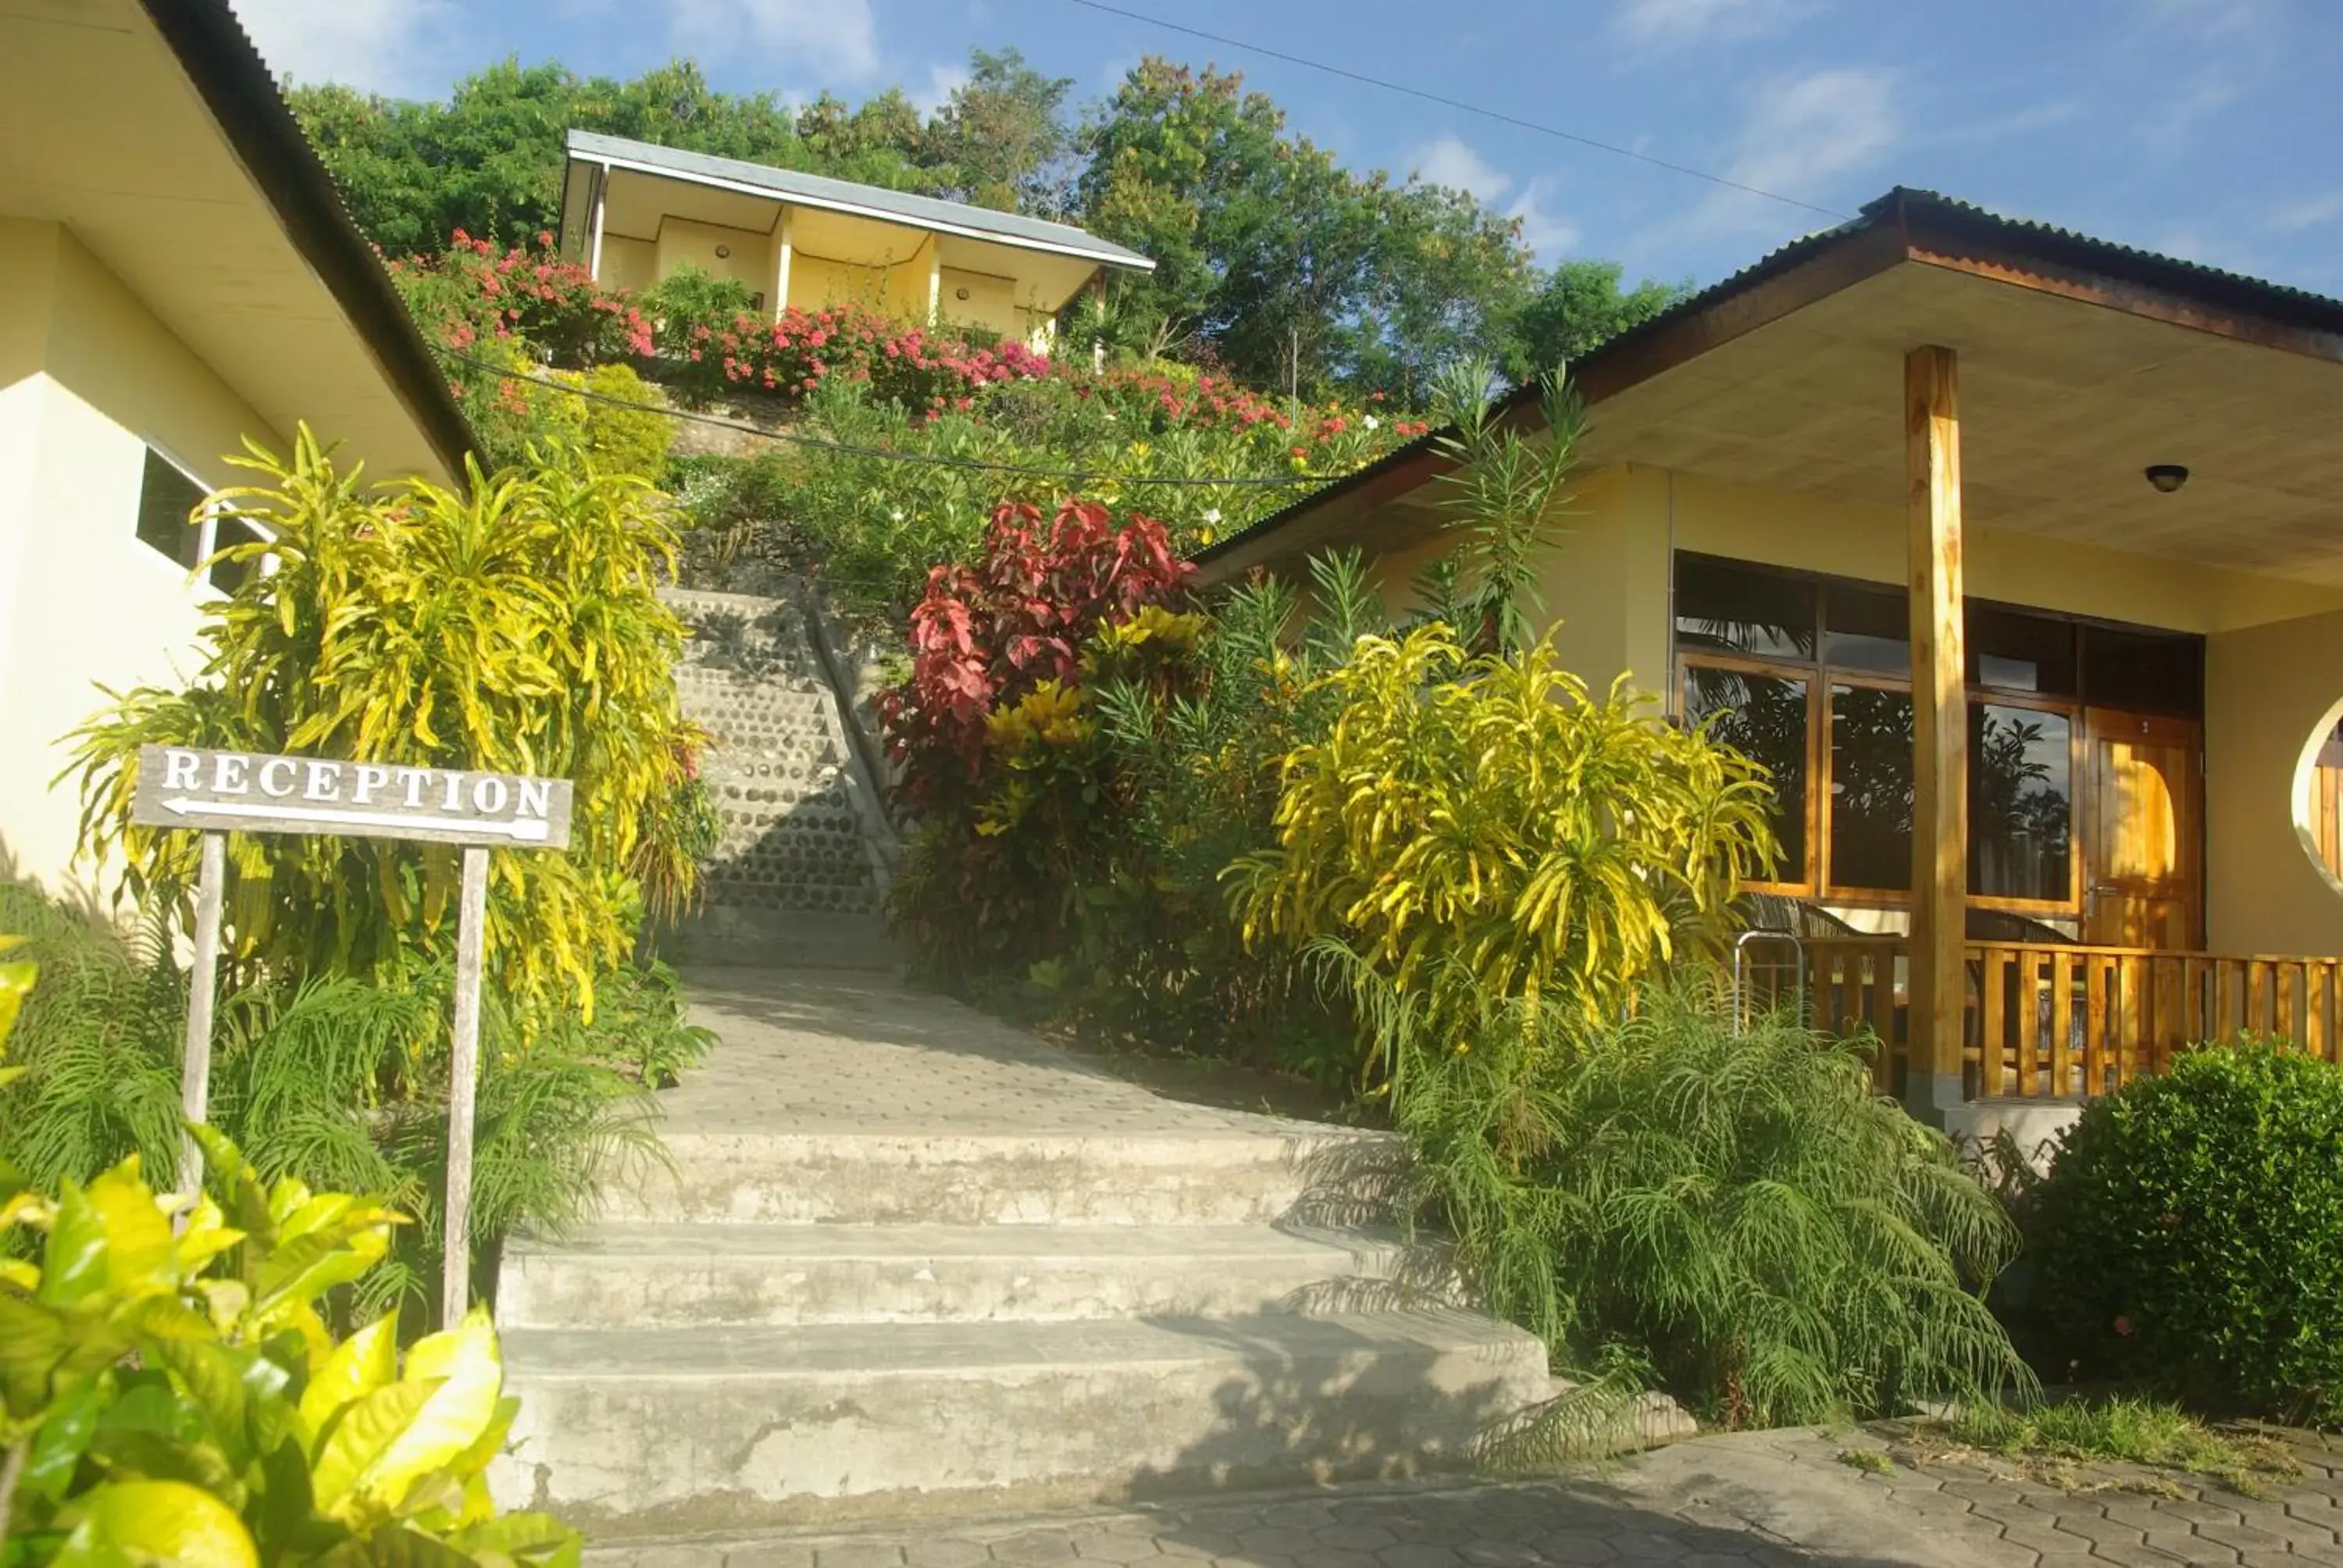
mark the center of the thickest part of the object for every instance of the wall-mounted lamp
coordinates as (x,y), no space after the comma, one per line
(723,252)
(2166,477)
(959,293)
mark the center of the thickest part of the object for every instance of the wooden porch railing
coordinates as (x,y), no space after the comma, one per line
(2047,1020)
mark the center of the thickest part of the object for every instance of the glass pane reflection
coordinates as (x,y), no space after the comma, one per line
(1871,788)
(1763,717)
(2021,802)
(1731,610)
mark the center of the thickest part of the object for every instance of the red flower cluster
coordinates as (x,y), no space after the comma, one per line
(474,289)
(923,369)
(1208,403)
(986,635)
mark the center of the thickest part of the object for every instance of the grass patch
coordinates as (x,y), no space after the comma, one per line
(2054,1436)
(1870,1460)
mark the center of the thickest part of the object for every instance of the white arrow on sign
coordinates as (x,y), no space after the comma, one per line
(180,805)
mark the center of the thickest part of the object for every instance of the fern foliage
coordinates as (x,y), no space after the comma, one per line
(1740,1215)
(338,1082)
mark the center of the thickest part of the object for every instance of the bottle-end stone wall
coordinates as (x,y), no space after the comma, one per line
(800,875)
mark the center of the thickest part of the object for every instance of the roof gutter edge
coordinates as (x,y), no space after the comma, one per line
(233,80)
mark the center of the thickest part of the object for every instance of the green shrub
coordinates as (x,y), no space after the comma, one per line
(1738,1216)
(684,307)
(2191,1234)
(179,1398)
(871,526)
(513,626)
(337,1082)
(1489,820)
(622,426)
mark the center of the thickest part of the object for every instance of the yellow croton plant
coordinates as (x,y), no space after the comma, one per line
(175,1396)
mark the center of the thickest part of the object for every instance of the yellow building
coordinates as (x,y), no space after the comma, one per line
(176,274)
(633,212)
(1902,511)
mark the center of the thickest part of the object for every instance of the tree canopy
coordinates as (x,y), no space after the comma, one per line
(1275,262)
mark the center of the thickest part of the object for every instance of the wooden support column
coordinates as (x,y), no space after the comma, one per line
(935,279)
(1940,729)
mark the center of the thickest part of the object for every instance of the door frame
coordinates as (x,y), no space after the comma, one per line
(2108,724)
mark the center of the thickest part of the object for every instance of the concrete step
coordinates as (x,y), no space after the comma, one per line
(617,1276)
(1328,1176)
(670,1432)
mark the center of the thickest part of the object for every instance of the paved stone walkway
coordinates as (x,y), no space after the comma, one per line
(843,1051)
(1763,1499)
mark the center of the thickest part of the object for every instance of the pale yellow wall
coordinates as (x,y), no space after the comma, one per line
(86,603)
(29,266)
(817,283)
(2271,695)
(2274,651)
(908,281)
(628,263)
(991,303)
(1800,531)
(681,241)
(1608,582)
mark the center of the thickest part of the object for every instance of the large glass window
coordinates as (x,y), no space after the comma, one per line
(1870,789)
(2144,672)
(2021,802)
(1733,610)
(2012,651)
(1864,628)
(1805,676)
(1764,718)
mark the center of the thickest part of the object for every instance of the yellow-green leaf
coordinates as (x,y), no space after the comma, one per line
(168,1521)
(366,1361)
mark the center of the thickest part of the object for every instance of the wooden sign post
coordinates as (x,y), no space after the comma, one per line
(222,792)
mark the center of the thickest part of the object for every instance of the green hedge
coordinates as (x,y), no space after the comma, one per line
(2190,1236)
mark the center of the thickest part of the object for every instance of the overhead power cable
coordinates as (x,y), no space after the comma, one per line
(1460,105)
(848,449)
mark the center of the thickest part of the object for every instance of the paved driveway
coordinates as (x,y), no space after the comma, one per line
(1756,1498)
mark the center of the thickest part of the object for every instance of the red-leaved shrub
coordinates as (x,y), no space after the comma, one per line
(986,635)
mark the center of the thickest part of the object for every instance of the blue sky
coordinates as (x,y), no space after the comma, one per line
(2211,129)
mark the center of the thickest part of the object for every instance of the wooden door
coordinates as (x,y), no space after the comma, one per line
(2143,831)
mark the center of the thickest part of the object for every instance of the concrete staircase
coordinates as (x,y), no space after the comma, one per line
(908,1262)
(802,868)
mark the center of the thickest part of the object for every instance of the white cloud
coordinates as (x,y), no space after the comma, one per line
(943,81)
(2208,55)
(2022,122)
(379,45)
(836,38)
(1677,23)
(2307,212)
(1547,234)
(2218,18)
(1450,161)
(1801,136)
